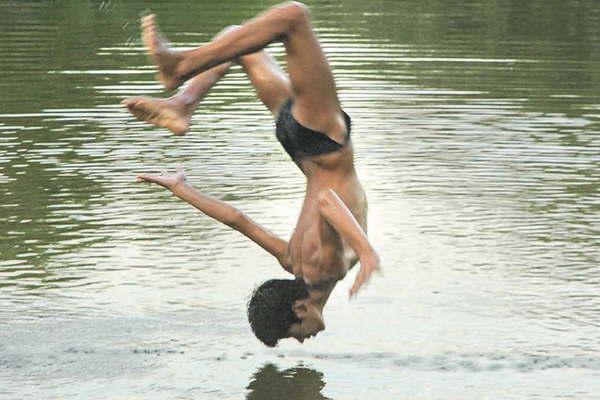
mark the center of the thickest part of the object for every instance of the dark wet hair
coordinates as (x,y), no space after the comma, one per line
(270,310)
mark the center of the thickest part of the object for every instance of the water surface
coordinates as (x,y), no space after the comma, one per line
(475,125)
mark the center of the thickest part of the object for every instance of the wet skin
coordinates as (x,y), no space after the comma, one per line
(330,235)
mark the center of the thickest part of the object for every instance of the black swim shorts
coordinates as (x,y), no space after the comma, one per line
(299,141)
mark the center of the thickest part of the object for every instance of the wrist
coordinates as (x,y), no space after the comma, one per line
(178,187)
(366,251)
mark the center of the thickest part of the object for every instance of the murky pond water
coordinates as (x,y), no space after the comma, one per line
(476,132)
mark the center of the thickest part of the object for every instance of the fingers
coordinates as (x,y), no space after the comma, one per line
(354,288)
(363,276)
(148,178)
(164,179)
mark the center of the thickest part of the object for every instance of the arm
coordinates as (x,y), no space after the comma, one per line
(222,212)
(335,212)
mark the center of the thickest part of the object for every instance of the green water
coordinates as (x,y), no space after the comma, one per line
(475,126)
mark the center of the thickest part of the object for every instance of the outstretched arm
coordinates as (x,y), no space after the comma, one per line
(335,212)
(222,212)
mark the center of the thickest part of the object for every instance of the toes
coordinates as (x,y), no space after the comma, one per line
(151,34)
(128,101)
(148,32)
(131,102)
(138,108)
(147,21)
(155,113)
(142,113)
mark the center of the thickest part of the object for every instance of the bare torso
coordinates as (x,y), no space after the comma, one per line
(330,236)
(316,252)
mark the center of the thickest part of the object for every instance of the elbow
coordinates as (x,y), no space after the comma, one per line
(235,219)
(325,199)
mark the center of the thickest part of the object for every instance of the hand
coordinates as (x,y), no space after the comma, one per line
(169,181)
(369,263)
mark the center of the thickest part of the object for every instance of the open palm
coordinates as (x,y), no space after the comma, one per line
(165,179)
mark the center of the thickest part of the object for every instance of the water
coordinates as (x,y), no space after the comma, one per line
(476,134)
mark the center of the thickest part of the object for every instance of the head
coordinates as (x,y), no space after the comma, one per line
(281,308)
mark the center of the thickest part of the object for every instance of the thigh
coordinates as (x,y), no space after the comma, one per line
(270,82)
(316,102)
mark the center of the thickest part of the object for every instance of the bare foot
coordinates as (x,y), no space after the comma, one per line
(165,58)
(165,113)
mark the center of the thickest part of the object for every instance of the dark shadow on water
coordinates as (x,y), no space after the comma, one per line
(298,383)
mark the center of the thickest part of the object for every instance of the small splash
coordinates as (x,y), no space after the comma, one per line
(107,6)
(476,362)
(73,350)
(156,352)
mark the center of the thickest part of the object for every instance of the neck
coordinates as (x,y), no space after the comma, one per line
(319,293)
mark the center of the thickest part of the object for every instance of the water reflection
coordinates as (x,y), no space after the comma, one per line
(298,383)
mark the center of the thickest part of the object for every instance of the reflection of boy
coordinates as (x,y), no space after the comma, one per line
(297,383)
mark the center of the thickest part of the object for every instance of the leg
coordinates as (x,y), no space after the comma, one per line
(176,112)
(316,102)
(271,83)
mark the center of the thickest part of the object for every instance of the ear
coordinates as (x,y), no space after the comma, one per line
(300,309)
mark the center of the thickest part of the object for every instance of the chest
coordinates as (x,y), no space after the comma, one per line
(317,251)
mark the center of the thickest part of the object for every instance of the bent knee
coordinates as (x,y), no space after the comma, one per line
(297,11)
(299,8)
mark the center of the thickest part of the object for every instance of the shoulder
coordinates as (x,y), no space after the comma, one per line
(285,259)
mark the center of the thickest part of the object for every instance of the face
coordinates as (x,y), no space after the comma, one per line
(311,320)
